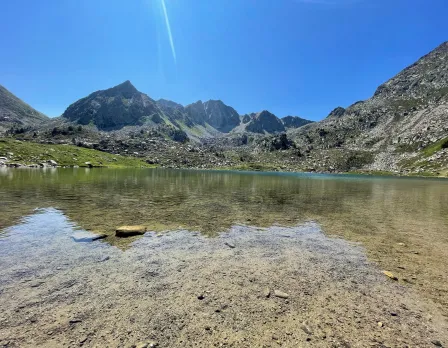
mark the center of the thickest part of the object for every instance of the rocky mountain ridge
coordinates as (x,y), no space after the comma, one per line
(123,105)
(15,113)
(406,115)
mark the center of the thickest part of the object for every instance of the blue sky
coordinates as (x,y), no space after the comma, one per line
(292,57)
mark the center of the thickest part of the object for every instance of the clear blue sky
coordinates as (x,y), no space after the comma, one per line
(292,57)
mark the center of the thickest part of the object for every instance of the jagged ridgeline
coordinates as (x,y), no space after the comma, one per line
(124,105)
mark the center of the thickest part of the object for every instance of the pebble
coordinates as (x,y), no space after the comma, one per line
(149,344)
(390,275)
(380,324)
(104,258)
(280,294)
(36,283)
(306,329)
(267,292)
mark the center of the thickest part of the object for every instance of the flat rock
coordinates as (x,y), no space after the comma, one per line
(85,237)
(280,294)
(128,231)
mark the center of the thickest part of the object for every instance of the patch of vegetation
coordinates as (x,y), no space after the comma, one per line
(65,155)
(254,167)
(373,172)
(435,147)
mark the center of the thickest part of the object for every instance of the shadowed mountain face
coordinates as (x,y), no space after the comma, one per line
(114,108)
(220,116)
(264,122)
(16,113)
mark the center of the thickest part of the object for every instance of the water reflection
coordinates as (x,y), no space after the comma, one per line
(403,223)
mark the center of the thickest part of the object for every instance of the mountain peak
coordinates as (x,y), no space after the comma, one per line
(126,88)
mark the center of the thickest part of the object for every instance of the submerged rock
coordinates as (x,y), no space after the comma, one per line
(128,231)
(84,237)
(230,245)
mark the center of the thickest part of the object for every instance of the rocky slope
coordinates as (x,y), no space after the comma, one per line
(399,128)
(15,113)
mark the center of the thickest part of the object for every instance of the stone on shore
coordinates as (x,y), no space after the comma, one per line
(128,231)
(280,294)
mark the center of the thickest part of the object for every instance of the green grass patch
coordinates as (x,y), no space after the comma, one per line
(25,152)
(435,147)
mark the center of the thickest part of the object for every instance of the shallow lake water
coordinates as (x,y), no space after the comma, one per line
(399,224)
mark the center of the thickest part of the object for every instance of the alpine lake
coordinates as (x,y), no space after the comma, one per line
(233,259)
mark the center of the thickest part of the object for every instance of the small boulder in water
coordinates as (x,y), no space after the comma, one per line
(128,231)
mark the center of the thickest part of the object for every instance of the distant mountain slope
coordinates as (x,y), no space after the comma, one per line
(16,113)
(294,121)
(262,122)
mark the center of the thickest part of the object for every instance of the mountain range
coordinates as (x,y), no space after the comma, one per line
(403,127)
(123,105)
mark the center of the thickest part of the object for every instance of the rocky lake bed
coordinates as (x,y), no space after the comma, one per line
(277,286)
(168,258)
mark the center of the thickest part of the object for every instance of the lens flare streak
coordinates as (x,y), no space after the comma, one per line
(168,27)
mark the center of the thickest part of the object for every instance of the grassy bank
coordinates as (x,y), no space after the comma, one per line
(65,155)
